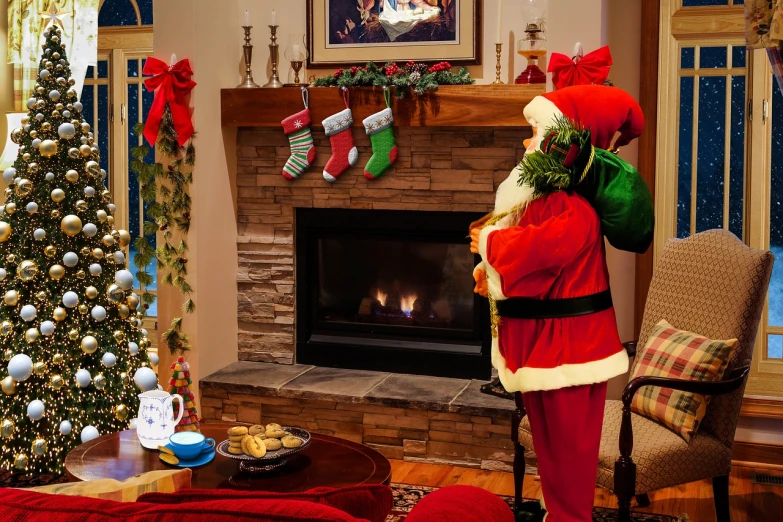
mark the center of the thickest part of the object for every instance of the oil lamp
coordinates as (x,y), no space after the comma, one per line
(533,45)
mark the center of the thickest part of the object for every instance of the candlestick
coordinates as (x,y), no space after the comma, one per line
(247,18)
(248,82)
(274,18)
(274,80)
(498,47)
(500,22)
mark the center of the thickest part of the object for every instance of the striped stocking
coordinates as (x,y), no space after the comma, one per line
(297,128)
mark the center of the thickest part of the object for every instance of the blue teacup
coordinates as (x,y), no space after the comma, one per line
(188,445)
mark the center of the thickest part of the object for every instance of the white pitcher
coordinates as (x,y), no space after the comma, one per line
(156,420)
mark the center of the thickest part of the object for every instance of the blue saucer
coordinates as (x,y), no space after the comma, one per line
(204,458)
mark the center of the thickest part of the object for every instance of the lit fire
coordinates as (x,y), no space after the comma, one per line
(381,297)
(406,304)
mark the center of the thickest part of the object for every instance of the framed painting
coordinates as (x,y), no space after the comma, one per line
(351,32)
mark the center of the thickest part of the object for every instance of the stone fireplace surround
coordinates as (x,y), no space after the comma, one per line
(444,168)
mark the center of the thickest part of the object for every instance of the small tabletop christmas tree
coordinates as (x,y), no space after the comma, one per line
(180,383)
(71,339)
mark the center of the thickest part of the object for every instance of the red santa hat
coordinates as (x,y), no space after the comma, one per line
(602,109)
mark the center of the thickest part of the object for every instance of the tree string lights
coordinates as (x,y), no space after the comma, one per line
(72,341)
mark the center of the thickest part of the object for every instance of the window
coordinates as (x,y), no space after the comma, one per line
(115,95)
(720,149)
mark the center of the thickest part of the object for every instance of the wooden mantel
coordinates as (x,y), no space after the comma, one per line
(450,106)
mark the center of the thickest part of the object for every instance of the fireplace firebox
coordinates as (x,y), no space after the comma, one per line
(390,291)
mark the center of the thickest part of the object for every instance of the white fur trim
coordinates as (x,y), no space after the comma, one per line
(338,122)
(353,155)
(328,177)
(541,113)
(493,277)
(375,123)
(527,379)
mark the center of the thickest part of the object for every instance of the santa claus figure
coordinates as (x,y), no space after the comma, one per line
(544,270)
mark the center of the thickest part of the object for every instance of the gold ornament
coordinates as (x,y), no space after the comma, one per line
(26,157)
(50,251)
(73,334)
(124,238)
(56,56)
(11,258)
(73,153)
(81,205)
(10,208)
(72,176)
(39,368)
(124,379)
(9,385)
(8,354)
(33,168)
(81,274)
(59,106)
(85,251)
(5,229)
(16,135)
(121,412)
(58,195)
(39,447)
(91,292)
(108,240)
(41,296)
(8,192)
(27,270)
(33,133)
(24,187)
(110,220)
(20,461)
(58,359)
(115,294)
(124,311)
(45,126)
(71,93)
(119,335)
(59,314)
(56,382)
(106,195)
(99,381)
(89,344)
(7,428)
(85,127)
(56,272)
(85,150)
(92,168)
(101,214)
(55,214)
(97,253)
(145,342)
(25,119)
(55,114)
(49,65)
(31,335)
(11,298)
(6,327)
(83,309)
(71,225)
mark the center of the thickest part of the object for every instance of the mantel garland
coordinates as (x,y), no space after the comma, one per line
(420,77)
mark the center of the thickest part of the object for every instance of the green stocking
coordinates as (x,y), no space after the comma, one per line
(384,148)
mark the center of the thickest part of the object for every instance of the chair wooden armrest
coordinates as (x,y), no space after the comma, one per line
(630,347)
(624,467)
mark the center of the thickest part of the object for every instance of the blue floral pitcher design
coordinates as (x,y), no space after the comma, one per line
(156,420)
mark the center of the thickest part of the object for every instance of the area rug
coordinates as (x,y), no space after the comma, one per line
(407,496)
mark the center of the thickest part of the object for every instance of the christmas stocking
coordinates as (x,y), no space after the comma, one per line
(297,128)
(344,153)
(384,149)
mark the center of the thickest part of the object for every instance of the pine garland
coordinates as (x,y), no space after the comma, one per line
(165,188)
(419,77)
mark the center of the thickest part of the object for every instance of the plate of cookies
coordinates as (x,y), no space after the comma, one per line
(263,448)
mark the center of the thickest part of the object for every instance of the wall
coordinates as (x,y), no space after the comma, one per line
(6,80)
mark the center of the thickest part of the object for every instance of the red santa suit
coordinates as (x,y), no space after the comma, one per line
(551,249)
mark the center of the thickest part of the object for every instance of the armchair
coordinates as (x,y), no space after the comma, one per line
(709,283)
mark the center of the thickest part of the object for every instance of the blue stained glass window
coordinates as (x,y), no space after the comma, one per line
(738,56)
(776,209)
(145,8)
(687,58)
(712,57)
(90,72)
(710,153)
(103,69)
(87,99)
(117,12)
(133,68)
(775,346)
(737,155)
(698,3)
(103,125)
(739,2)
(684,160)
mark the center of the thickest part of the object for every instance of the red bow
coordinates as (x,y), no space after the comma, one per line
(173,84)
(593,68)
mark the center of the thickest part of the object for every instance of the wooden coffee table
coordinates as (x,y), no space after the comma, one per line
(328,461)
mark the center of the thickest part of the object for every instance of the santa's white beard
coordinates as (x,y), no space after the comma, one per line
(510,193)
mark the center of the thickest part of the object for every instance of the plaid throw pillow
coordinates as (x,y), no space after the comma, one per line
(674,353)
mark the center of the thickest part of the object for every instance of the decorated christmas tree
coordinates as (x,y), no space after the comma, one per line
(72,341)
(180,383)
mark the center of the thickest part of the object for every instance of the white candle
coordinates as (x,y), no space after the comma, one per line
(296,51)
(173,58)
(274,17)
(500,21)
(247,18)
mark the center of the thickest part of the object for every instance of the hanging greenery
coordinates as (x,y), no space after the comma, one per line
(420,77)
(165,189)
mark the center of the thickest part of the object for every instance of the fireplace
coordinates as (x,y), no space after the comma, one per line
(390,291)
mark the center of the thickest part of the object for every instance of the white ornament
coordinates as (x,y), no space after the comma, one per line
(2,209)
(65,427)
(83,377)
(36,143)
(89,192)
(39,234)
(8,175)
(28,312)
(89,230)
(78,106)
(70,299)
(54,95)
(66,114)
(109,359)
(66,131)
(20,367)
(32,207)
(31,103)
(154,359)
(89,433)
(112,208)
(119,257)
(35,410)
(98,313)
(95,269)
(124,279)
(3,273)
(133,422)
(32,334)
(44,74)
(49,176)
(145,379)
(47,328)
(39,117)
(144,332)
(133,348)
(71,259)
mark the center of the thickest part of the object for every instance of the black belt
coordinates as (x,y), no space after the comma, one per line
(526,308)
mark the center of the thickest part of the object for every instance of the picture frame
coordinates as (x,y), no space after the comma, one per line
(343,33)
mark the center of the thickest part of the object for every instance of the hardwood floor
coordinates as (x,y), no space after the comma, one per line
(749,502)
